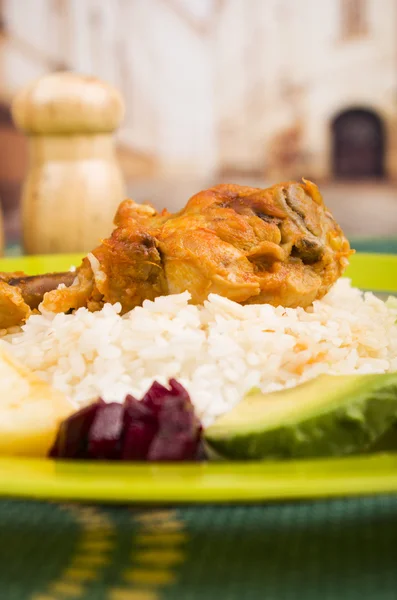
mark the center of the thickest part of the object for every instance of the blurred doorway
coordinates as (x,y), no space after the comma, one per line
(358,145)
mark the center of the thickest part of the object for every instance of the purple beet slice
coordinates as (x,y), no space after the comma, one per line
(179,432)
(154,397)
(136,410)
(161,427)
(140,427)
(177,389)
(137,440)
(104,436)
(71,440)
(175,447)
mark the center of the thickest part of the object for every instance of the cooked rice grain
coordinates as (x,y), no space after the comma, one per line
(218,351)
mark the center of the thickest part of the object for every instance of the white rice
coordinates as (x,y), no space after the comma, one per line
(218,351)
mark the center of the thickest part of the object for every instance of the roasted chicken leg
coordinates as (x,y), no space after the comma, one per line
(278,245)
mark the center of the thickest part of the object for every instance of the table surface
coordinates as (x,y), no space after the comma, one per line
(327,550)
(333,550)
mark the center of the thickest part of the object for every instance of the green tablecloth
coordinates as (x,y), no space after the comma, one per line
(329,550)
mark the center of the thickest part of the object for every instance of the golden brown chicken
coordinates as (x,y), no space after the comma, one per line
(279,245)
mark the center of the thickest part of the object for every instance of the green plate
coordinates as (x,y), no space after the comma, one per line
(204,482)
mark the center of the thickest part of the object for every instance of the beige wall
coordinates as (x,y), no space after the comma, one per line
(160,62)
(282,64)
(214,86)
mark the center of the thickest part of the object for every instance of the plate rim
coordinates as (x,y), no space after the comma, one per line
(150,483)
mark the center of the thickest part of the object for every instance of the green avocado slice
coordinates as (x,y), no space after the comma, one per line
(326,416)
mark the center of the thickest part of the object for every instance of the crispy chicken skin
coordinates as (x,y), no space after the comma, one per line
(278,245)
(13,308)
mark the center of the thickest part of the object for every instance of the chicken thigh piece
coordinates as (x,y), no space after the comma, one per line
(278,245)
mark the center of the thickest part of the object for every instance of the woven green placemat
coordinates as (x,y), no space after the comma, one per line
(331,550)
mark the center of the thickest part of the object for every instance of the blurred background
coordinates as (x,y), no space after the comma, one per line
(242,91)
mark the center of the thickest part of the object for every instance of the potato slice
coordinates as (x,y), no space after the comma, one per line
(30,410)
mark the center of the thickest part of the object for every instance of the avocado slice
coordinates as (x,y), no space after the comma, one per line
(326,416)
(387,442)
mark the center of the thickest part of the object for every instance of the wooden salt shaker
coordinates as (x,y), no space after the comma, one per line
(74,183)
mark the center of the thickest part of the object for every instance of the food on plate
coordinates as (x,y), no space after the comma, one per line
(13,308)
(33,288)
(20,294)
(161,426)
(387,442)
(239,290)
(278,245)
(327,416)
(30,410)
(218,351)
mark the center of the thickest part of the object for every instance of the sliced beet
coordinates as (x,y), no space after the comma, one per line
(104,436)
(175,447)
(137,440)
(154,397)
(160,427)
(179,430)
(71,441)
(174,421)
(177,414)
(140,427)
(136,410)
(177,389)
